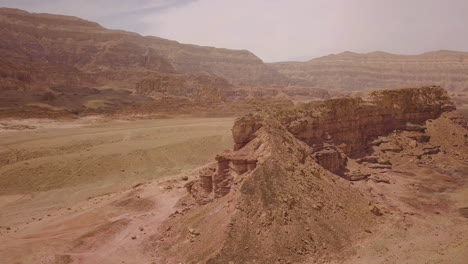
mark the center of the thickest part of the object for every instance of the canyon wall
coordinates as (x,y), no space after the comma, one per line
(41,50)
(43,55)
(380,70)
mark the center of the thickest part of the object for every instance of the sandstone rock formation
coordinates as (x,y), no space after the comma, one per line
(379,70)
(256,201)
(351,122)
(257,206)
(338,128)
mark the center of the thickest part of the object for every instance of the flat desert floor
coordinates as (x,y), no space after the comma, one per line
(58,172)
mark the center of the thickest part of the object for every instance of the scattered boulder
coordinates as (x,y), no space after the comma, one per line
(413,144)
(193,232)
(375,210)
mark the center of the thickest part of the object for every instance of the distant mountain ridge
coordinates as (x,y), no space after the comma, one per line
(380,70)
(76,52)
(79,66)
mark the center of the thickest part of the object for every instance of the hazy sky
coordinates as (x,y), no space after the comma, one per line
(278,30)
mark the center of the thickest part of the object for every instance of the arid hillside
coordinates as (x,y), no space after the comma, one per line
(53,65)
(380,70)
(81,52)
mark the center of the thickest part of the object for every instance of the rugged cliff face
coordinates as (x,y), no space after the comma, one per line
(42,50)
(379,70)
(351,122)
(278,197)
(340,128)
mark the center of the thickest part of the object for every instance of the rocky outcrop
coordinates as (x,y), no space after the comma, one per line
(350,123)
(215,180)
(270,202)
(331,158)
(340,128)
(278,197)
(380,70)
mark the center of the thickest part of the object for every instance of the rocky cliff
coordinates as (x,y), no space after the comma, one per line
(351,122)
(278,197)
(379,70)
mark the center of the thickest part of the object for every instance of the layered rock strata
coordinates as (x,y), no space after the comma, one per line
(379,70)
(336,129)
(76,52)
(350,123)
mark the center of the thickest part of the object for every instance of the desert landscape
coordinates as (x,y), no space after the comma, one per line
(117,147)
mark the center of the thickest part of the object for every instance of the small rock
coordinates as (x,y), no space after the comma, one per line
(413,143)
(380,179)
(375,210)
(193,232)
(137,185)
(317,206)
